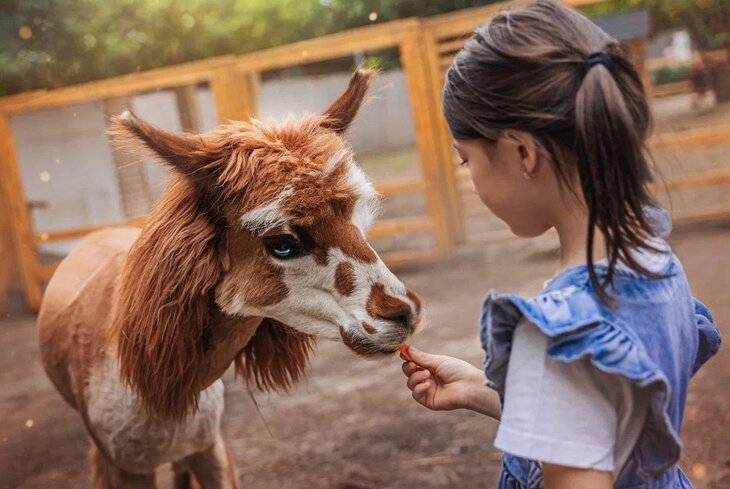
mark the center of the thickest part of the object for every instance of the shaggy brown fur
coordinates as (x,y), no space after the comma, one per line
(276,356)
(165,300)
(165,297)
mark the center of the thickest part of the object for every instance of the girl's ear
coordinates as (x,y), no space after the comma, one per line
(527,151)
(339,116)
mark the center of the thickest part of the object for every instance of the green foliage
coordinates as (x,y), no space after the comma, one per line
(51,43)
(669,74)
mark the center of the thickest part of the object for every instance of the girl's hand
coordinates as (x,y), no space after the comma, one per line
(443,383)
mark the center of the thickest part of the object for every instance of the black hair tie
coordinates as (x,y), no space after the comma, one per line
(599,58)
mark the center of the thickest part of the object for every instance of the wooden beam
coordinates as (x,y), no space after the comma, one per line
(441,136)
(46,271)
(693,181)
(691,137)
(401,225)
(338,45)
(395,259)
(133,83)
(703,214)
(399,187)
(416,68)
(8,268)
(21,232)
(464,21)
(188,109)
(674,88)
(231,87)
(80,232)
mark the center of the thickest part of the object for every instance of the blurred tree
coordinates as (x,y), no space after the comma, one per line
(51,43)
(707,21)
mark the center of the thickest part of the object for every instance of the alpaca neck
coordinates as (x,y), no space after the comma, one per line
(228,336)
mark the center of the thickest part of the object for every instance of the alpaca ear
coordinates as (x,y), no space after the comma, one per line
(339,116)
(189,154)
(163,302)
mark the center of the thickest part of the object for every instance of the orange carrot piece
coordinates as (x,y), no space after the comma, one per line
(404,351)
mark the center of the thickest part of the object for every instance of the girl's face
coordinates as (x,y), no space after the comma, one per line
(514,179)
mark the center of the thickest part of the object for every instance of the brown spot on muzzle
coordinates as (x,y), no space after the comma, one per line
(369,328)
(345,279)
(417,303)
(358,344)
(380,305)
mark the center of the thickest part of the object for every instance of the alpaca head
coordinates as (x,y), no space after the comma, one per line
(262,220)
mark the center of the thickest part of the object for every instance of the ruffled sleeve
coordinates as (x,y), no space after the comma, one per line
(577,327)
(709,335)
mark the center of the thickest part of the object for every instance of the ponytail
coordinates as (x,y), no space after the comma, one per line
(612,164)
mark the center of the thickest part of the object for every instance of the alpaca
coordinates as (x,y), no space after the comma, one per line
(257,247)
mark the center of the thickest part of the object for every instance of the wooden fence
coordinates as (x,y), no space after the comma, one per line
(426,47)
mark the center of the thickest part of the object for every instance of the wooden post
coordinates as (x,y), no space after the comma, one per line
(233,94)
(7,251)
(419,89)
(19,220)
(442,137)
(131,176)
(188,109)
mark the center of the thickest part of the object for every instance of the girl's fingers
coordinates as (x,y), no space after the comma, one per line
(409,368)
(420,391)
(417,378)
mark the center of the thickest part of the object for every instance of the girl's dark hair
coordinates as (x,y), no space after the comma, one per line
(549,71)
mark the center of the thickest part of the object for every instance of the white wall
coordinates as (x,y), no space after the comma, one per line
(66,160)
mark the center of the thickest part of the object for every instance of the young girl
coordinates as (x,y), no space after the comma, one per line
(591,375)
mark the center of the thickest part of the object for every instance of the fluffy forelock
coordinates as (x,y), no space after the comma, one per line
(303,173)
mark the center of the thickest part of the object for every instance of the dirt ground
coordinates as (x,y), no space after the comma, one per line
(352,423)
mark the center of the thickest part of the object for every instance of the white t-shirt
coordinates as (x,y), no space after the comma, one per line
(571,414)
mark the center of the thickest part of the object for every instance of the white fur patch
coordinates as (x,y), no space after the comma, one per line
(333,161)
(368,202)
(137,442)
(268,216)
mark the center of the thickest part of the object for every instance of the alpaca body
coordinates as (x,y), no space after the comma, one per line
(80,358)
(257,246)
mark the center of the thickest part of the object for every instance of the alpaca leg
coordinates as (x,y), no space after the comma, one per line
(183,477)
(214,468)
(107,476)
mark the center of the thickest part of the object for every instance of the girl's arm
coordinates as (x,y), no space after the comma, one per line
(442,383)
(560,477)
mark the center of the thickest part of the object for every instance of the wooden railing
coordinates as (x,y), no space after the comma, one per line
(426,48)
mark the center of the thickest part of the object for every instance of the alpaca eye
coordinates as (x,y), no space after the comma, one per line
(283,247)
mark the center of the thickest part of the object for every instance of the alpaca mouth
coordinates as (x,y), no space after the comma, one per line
(369,347)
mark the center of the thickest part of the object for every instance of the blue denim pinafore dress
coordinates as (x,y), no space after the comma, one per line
(658,336)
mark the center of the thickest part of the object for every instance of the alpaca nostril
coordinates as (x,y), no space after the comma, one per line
(400,319)
(395,310)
